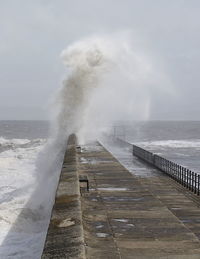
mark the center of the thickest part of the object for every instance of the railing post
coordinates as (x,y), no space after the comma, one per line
(184,177)
(176,171)
(173,171)
(168,167)
(195,183)
(179,174)
(187,178)
(192,181)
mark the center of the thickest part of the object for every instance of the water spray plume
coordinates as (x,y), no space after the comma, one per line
(86,62)
(107,80)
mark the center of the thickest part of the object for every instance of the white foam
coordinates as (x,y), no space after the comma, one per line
(171,143)
(4,141)
(18,180)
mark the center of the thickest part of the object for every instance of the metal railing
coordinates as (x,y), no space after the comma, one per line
(182,175)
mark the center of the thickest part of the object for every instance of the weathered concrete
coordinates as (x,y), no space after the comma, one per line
(125,216)
(65,234)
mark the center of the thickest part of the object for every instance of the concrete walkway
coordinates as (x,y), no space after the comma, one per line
(127,216)
(65,233)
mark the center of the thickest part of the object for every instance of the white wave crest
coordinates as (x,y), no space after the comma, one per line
(14,141)
(171,143)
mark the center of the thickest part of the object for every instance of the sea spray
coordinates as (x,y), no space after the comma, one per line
(87,62)
(108,79)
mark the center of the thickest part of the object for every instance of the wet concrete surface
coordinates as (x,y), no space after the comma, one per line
(65,233)
(142,215)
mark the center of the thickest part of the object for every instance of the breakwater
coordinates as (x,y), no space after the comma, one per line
(121,215)
(125,216)
(65,233)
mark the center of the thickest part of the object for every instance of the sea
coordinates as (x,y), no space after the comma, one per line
(178,141)
(22,230)
(21,142)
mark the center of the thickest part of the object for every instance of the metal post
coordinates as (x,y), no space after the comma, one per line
(187,178)
(192,181)
(182,181)
(178,171)
(195,183)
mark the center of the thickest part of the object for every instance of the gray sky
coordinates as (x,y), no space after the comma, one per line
(33,33)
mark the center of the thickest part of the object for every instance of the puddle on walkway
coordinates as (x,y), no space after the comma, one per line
(121,220)
(102,235)
(112,189)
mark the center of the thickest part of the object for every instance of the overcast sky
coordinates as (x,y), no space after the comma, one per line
(33,34)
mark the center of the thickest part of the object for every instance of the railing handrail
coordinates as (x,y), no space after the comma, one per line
(181,174)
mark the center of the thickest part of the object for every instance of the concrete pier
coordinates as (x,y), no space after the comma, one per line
(123,215)
(65,234)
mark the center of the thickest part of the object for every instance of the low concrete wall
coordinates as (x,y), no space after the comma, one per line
(65,233)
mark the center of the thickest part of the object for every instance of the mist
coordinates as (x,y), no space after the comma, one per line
(107,79)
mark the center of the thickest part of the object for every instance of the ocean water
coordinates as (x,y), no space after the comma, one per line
(23,228)
(178,141)
(20,227)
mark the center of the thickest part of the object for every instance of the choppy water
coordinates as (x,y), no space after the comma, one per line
(178,141)
(20,143)
(24,129)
